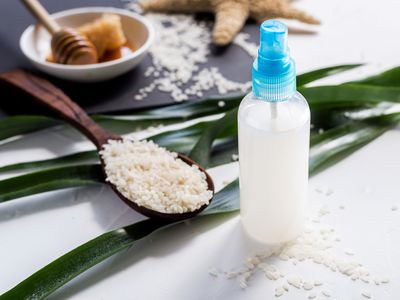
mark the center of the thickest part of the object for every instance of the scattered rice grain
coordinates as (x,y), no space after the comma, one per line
(366,294)
(295,281)
(213,272)
(385,280)
(308,286)
(312,296)
(221,103)
(235,157)
(326,293)
(279,292)
(318,283)
(285,287)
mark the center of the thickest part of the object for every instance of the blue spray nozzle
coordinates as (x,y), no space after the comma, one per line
(274,74)
(273,40)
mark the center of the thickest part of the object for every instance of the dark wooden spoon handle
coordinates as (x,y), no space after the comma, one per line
(52,97)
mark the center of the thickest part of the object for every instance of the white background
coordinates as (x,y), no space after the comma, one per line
(36,230)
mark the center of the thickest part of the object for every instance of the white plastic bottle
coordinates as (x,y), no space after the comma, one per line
(274,132)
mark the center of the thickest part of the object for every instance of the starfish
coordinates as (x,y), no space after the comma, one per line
(231,15)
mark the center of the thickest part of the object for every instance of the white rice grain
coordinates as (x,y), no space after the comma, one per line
(366,294)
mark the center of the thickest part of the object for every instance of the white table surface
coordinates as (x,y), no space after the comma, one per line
(36,230)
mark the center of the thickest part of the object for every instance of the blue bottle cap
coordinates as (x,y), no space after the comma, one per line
(274,72)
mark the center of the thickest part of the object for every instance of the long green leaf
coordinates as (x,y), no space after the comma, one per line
(183,140)
(51,277)
(168,114)
(223,153)
(13,126)
(180,140)
(354,96)
(349,96)
(59,272)
(201,152)
(48,279)
(225,201)
(49,180)
(177,140)
(195,109)
(121,124)
(352,125)
(17,125)
(328,147)
(308,77)
(72,159)
(333,145)
(64,177)
(331,151)
(340,142)
(390,78)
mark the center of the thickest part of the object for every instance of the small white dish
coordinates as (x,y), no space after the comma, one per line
(35,44)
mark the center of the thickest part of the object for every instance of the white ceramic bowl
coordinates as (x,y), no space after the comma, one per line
(35,44)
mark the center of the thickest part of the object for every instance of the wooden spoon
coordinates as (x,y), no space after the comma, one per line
(53,98)
(68,46)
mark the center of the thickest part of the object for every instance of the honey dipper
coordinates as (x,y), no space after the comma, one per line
(68,46)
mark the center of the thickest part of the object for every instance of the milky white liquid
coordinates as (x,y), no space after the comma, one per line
(273,159)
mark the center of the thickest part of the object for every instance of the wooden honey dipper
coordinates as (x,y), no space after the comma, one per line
(68,46)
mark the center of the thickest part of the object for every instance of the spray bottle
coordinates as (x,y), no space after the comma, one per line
(274,132)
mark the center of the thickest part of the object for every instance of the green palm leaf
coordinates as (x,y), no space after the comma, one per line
(59,272)
(70,265)
(327,148)
(83,258)
(181,140)
(18,125)
(390,78)
(309,77)
(49,180)
(349,96)
(67,160)
(201,151)
(218,144)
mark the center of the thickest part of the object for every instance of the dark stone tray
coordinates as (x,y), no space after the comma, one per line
(115,95)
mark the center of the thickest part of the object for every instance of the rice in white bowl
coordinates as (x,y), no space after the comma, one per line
(153,177)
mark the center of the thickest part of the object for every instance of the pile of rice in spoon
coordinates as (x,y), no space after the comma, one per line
(153,177)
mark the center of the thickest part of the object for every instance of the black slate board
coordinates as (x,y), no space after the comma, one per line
(111,96)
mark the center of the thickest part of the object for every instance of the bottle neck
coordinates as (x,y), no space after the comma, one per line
(270,85)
